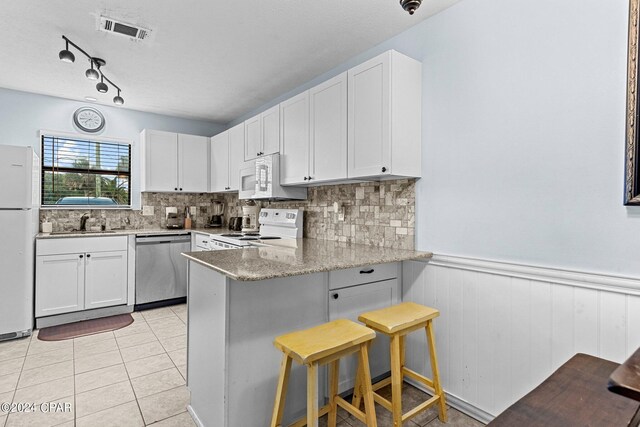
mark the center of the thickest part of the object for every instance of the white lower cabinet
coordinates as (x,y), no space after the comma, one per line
(80,274)
(59,284)
(349,303)
(105,279)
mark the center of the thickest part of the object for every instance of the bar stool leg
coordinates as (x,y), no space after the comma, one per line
(281,391)
(356,400)
(365,385)
(396,381)
(431,339)
(312,395)
(333,392)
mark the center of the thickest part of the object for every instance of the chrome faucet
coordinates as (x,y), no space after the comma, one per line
(83,221)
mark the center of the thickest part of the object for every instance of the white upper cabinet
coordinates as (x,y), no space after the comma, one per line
(328,125)
(313,134)
(159,160)
(174,162)
(384,117)
(227,154)
(262,134)
(219,162)
(193,163)
(294,140)
(236,155)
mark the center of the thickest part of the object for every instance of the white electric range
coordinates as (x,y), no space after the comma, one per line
(275,224)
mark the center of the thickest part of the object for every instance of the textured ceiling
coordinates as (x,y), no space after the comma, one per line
(206,59)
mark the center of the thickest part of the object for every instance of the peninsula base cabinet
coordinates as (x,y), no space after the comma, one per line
(75,274)
(353,292)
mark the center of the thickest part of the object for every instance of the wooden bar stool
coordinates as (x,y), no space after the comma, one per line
(397,321)
(320,345)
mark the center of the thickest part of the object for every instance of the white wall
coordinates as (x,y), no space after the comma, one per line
(23,115)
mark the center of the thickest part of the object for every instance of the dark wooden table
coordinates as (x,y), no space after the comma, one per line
(575,395)
(625,380)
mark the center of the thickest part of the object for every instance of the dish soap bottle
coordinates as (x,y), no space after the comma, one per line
(187,218)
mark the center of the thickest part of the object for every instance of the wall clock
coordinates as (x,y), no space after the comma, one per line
(88,119)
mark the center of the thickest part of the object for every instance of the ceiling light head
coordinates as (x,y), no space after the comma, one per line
(118,100)
(410,5)
(102,86)
(92,74)
(66,55)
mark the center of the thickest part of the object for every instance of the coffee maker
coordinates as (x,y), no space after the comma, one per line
(218,215)
(250,217)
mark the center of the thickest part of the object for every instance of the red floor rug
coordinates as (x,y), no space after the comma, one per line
(86,327)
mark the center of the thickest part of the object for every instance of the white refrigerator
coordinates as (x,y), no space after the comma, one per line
(19,223)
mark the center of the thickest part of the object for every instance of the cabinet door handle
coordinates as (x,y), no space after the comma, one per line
(305,178)
(369,271)
(176,189)
(310,178)
(80,256)
(180,189)
(88,255)
(335,296)
(384,169)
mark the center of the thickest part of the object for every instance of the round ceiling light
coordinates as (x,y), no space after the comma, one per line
(102,87)
(410,5)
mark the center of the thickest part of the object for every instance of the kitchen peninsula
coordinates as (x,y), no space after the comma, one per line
(240,300)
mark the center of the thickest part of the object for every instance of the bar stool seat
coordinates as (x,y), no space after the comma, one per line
(397,321)
(319,345)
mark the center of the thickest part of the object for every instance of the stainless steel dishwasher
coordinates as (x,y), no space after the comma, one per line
(161,272)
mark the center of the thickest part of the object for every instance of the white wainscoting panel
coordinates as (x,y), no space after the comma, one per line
(503,328)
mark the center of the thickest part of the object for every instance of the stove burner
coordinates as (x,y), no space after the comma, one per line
(248,238)
(231,235)
(270,237)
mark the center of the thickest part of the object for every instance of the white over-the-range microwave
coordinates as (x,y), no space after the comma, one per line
(260,179)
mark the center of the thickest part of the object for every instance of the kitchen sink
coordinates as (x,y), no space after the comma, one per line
(80,232)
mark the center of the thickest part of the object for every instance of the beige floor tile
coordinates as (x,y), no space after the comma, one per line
(164,405)
(171,331)
(103,398)
(100,378)
(45,392)
(137,327)
(14,349)
(93,338)
(127,415)
(137,315)
(179,357)
(157,313)
(90,348)
(179,308)
(67,424)
(141,351)
(157,382)
(11,366)
(180,420)
(136,339)
(43,359)
(53,416)
(183,317)
(149,365)
(3,418)
(183,371)
(166,322)
(6,397)
(174,343)
(97,361)
(39,347)
(45,374)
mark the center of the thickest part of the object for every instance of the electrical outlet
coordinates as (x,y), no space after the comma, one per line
(192,210)
(147,210)
(341,216)
(171,210)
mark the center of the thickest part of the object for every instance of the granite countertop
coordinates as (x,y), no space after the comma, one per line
(134,232)
(304,256)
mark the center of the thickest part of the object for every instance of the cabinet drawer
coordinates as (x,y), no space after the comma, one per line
(367,274)
(69,245)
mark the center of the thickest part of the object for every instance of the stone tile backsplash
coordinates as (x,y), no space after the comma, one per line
(375,213)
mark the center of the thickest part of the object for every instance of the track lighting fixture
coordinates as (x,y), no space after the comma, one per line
(410,5)
(92,73)
(66,55)
(118,99)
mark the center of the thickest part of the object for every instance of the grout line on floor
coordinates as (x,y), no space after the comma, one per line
(129,376)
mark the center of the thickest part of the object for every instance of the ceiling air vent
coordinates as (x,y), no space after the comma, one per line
(114,26)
